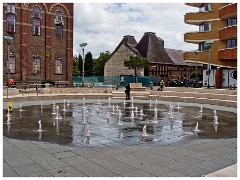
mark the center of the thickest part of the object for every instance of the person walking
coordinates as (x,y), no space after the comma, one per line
(127,91)
(161,85)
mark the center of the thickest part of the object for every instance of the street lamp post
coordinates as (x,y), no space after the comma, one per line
(83,46)
(9,39)
(196,68)
(209,44)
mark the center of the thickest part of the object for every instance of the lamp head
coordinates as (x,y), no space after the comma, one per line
(210,42)
(83,45)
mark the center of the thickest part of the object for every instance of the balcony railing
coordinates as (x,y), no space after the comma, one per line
(229,11)
(230,53)
(228,33)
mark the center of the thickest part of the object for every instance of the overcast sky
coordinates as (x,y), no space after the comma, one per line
(102,26)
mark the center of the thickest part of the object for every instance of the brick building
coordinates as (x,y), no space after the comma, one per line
(217,23)
(42,45)
(164,63)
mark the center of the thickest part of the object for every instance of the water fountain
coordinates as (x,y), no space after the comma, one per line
(41,105)
(20,108)
(155,116)
(64,108)
(87,131)
(113,110)
(98,102)
(215,113)
(58,114)
(8,114)
(132,102)
(201,109)
(196,128)
(40,126)
(150,103)
(109,102)
(144,132)
(132,114)
(8,120)
(155,103)
(178,107)
(141,113)
(108,116)
(54,109)
(68,104)
(83,102)
(119,118)
(136,109)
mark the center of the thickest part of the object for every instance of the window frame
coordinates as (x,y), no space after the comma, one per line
(12,64)
(11,8)
(58,66)
(231,21)
(11,21)
(36,26)
(205,7)
(205,26)
(231,43)
(36,14)
(59,31)
(36,65)
(59,15)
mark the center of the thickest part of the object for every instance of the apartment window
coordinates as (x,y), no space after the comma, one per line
(59,16)
(36,12)
(231,21)
(36,26)
(10,8)
(58,66)
(205,7)
(59,30)
(205,26)
(11,23)
(203,46)
(36,64)
(12,64)
(231,43)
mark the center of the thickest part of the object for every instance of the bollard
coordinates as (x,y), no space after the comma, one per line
(214,86)
(25,86)
(234,87)
(230,87)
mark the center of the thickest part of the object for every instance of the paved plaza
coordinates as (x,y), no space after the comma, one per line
(189,159)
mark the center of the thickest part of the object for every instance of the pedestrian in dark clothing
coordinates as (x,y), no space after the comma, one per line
(161,85)
(127,91)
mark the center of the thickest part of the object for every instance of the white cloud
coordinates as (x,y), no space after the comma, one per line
(103,26)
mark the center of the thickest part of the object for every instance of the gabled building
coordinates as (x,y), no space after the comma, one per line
(164,63)
(216,40)
(42,45)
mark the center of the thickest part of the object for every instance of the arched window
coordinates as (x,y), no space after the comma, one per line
(58,65)
(10,8)
(36,21)
(11,18)
(36,12)
(59,30)
(59,16)
(36,64)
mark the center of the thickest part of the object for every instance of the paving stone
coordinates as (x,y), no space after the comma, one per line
(62,155)
(66,171)
(74,160)
(174,174)
(37,174)
(52,164)
(9,172)
(28,168)
(137,173)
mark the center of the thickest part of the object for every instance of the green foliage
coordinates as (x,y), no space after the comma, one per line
(49,81)
(136,63)
(100,63)
(193,75)
(75,66)
(88,66)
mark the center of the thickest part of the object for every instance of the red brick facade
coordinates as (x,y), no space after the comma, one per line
(45,45)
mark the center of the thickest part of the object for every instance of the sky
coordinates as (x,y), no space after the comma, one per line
(103,25)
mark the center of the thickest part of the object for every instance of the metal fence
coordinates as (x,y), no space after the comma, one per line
(122,81)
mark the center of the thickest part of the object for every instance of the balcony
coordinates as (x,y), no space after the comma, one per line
(229,11)
(202,56)
(228,33)
(198,37)
(196,18)
(227,53)
(194,4)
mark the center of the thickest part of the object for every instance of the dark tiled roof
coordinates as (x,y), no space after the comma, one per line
(152,49)
(177,57)
(130,40)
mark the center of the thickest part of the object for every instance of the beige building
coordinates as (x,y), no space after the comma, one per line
(217,23)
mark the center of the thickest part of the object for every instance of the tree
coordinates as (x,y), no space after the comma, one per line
(100,63)
(80,60)
(88,64)
(136,63)
(76,71)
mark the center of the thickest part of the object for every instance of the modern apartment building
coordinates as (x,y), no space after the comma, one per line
(42,44)
(217,42)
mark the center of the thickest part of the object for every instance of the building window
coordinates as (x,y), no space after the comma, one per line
(59,16)
(36,26)
(205,7)
(36,64)
(58,66)
(11,23)
(36,12)
(231,21)
(203,46)
(231,43)
(10,8)
(12,64)
(205,26)
(59,30)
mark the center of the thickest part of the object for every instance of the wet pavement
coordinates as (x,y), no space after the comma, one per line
(171,149)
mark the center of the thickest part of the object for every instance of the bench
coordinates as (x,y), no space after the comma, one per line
(137,87)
